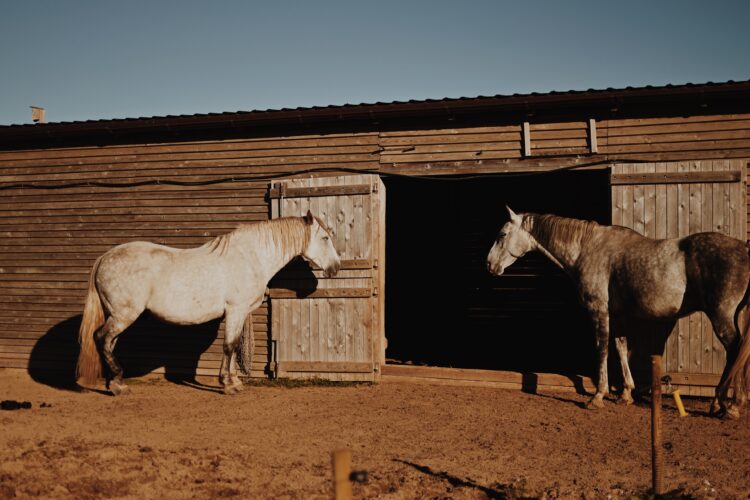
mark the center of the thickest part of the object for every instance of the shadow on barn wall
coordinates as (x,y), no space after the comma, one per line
(147,345)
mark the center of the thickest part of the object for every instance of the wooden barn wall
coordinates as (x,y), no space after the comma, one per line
(515,145)
(549,145)
(675,210)
(51,237)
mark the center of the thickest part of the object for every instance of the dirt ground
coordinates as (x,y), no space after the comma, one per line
(170,440)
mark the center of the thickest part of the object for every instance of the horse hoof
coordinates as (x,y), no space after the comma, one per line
(715,410)
(731,413)
(119,390)
(232,389)
(595,404)
(624,401)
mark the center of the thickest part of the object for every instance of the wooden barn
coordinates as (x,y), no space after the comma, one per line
(414,193)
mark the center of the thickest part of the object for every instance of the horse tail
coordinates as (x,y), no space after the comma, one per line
(89,366)
(738,378)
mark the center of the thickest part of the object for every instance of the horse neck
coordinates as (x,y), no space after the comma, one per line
(559,238)
(271,245)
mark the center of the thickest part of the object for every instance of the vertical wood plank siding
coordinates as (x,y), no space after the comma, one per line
(676,210)
(50,238)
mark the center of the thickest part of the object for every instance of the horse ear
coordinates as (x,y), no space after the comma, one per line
(515,218)
(309,218)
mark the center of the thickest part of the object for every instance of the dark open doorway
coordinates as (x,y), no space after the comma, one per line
(444,309)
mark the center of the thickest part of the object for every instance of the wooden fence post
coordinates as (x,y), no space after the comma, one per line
(342,469)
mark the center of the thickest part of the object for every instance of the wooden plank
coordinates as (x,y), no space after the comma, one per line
(516,380)
(666,227)
(683,193)
(443,157)
(720,192)
(484,137)
(561,144)
(639,202)
(690,177)
(526,133)
(324,367)
(694,379)
(701,120)
(449,131)
(476,148)
(694,226)
(648,137)
(300,141)
(692,148)
(306,192)
(627,200)
(593,143)
(192,171)
(707,333)
(95,163)
(557,126)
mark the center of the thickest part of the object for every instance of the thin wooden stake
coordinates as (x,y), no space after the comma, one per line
(342,470)
(657,456)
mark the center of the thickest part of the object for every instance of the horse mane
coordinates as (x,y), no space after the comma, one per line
(218,244)
(554,232)
(290,235)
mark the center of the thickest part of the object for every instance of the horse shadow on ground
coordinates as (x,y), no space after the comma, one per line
(496,491)
(146,345)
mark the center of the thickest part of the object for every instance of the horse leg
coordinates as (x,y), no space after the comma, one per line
(621,343)
(228,378)
(107,338)
(601,326)
(730,339)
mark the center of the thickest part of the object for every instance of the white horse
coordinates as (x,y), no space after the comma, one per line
(225,277)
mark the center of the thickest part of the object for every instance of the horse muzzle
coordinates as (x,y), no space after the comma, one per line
(495,270)
(332,270)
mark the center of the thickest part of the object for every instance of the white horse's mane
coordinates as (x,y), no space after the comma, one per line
(287,234)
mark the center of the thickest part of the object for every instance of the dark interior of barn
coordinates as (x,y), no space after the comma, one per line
(442,306)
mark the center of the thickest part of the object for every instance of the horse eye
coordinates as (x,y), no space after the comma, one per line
(325,238)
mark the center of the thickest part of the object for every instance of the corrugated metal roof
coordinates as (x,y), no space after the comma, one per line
(372,110)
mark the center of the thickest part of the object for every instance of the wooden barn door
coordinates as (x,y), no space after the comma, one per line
(669,200)
(332,327)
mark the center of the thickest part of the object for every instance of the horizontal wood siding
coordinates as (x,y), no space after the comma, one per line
(112,194)
(555,139)
(451,144)
(689,138)
(552,145)
(51,237)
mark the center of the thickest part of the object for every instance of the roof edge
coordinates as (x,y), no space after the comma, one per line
(373,111)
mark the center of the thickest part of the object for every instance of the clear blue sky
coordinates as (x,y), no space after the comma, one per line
(93,59)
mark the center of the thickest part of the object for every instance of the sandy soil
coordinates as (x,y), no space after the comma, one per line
(415,441)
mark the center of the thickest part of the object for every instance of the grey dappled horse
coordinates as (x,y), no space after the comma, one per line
(620,273)
(225,277)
